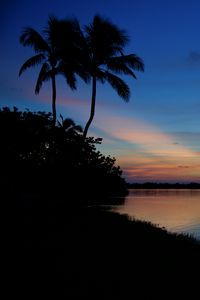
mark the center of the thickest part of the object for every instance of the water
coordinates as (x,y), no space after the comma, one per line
(176,210)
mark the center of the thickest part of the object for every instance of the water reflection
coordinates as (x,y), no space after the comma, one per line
(176,210)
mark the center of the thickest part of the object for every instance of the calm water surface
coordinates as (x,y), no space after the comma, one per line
(176,210)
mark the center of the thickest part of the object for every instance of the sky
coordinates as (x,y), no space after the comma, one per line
(156,136)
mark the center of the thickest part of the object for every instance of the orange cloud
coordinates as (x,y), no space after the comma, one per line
(151,154)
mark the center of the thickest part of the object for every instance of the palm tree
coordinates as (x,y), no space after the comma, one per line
(106,58)
(69,126)
(55,53)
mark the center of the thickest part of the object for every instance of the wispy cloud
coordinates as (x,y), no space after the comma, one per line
(184,167)
(150,153)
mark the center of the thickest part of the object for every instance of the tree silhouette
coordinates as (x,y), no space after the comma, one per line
(106,58)
(69,126)
(54,162)
(55,51)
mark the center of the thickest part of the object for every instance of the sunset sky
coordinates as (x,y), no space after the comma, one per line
(154,137)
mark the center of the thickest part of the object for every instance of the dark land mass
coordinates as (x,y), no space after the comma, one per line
(90,253)
(153,185)
(59,243)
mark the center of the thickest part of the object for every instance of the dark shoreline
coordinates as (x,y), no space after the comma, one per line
(96,254)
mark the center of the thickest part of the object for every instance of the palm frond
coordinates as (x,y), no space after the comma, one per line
(31,62)
(53,31)
(117,66)
(76,63)
(68,72)
(63,35)
(124,64)
(104,27)
(100,75)
(134,62)
(30,37)
(82,72)
(119,85)
(71,79)
(44,75)
(105,38)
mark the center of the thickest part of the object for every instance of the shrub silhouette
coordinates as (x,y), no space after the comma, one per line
(53,162)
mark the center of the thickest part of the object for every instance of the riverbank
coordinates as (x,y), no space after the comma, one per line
(97,254)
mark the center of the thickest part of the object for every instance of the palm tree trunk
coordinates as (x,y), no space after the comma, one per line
(92,112)
(54,99)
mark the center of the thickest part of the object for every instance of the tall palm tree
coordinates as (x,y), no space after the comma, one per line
(106,58)
(55,52)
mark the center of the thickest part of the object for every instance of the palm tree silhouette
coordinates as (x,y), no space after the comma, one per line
(55,52)
(69,126)
(105,44)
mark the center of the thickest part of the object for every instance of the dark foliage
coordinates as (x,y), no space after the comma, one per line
(54,162)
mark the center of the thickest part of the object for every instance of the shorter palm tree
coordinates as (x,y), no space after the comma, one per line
(106,58)
(59,40)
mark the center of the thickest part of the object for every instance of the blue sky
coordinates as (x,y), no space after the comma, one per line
(156,136)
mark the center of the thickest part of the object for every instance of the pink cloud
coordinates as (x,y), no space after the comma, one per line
(151,153)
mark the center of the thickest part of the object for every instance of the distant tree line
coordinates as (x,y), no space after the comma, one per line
(165,185)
